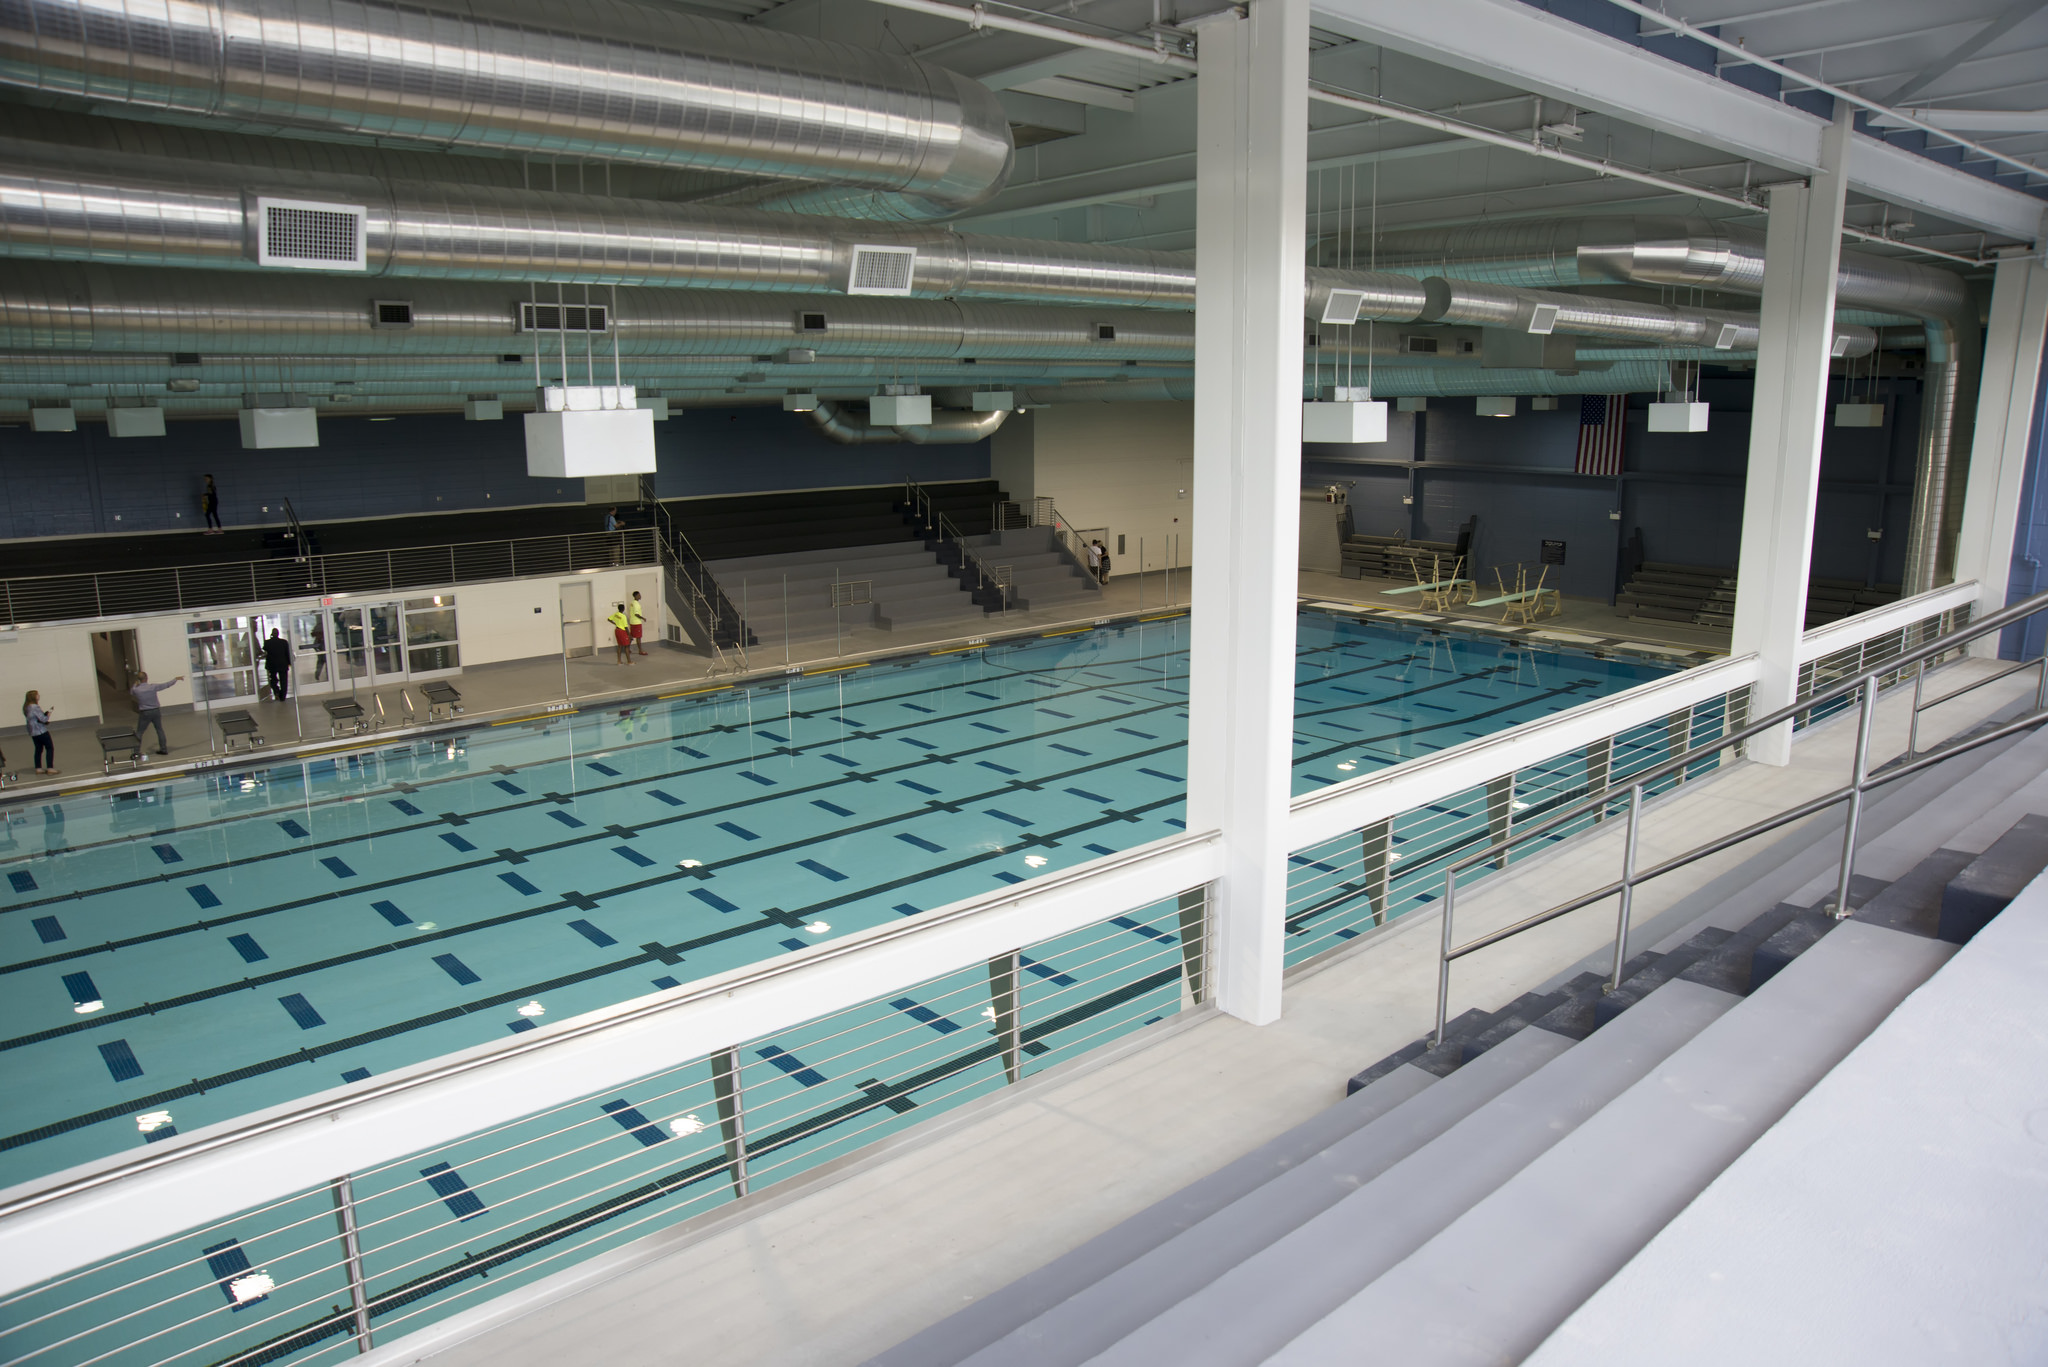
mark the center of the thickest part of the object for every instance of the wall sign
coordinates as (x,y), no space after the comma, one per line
(1553,552)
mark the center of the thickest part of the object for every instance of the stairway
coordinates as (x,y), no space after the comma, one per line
(1461,1202)
(1041,575)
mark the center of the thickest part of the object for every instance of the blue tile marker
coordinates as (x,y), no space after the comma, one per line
(634,1123)
(292,829)
(927,846)
(203,895)
(791,1064)
(632,856)
(712,900)
(741,831)
(567,820)
(246,946)
(822,870)
(301,1011)
(1045,971)
(660,796)
(339,868)
(926,1015)
(457,841)
(22,881)
(81,988)
(518,884)
(47,929)
(456,969)
(224,1263)
(167,853)
(831,807)
(120,1061)
(405,806)
(454,1192)
(355,1075)
(390,912)
(592,934)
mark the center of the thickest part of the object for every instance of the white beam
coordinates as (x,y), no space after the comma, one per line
(104,1208)
(1802,255)
(2006,405)
(1521,46)
(1251,135)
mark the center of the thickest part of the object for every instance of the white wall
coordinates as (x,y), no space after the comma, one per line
(1123,466)
(55,661)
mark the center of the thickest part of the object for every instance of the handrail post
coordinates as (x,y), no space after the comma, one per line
(1913,720)
(1443,966)
(1858,774)
(1628,884)
(352,1261)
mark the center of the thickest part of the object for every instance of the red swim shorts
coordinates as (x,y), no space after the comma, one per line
(620,632)
(637,627)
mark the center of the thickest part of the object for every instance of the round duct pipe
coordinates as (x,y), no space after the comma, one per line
(948,427)
(889,137)
(1506,306)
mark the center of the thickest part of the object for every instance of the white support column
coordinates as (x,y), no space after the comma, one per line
(1250,193)
(1802,254)
(2005,414)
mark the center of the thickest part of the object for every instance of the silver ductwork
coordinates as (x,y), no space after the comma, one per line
(72,204)
(113,309)
(948,427)
(1517,309)
(1695,253)
(888,137)
(1627,377)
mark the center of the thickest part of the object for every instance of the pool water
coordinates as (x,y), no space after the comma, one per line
(255,935)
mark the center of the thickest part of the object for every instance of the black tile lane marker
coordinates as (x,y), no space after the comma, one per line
(482,1262)
(652,953)
(454,818)
(199,871)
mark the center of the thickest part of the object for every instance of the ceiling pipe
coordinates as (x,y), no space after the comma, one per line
(1517,310)
(77,204)
(948,427)
(888,136)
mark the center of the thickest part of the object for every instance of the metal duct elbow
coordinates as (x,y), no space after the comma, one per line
(947,427)
(623,83)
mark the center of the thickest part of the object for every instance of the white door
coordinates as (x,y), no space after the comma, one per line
(579,636)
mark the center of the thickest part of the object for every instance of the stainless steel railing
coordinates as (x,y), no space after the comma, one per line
(1864,685)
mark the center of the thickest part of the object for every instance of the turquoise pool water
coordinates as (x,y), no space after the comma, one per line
(262,933)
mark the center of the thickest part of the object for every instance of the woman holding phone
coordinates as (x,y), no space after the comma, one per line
(38,718)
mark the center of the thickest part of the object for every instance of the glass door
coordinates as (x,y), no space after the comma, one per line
(223,660)
(430,636)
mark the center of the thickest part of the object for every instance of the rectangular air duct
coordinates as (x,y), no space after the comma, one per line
(657,405)
(266,428)
(1349,422)
(1859,415)
(881,270)
(1543,403)
(147,421)
(900,410)
(1494,405)
(587,430)
(1678,417)
(483,410)
(994,400)
(799,403)
(1412,404)
(53,419)
(306,235)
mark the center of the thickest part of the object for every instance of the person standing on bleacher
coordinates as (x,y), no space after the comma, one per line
(149,709)
(277,663)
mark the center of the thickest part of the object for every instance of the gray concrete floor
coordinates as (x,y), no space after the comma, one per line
(845,1269)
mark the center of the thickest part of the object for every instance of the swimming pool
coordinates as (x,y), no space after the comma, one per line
(259,934)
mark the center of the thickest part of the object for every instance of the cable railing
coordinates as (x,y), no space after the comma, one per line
(330,1271)
(1863,686)
(122,593)
(723,624)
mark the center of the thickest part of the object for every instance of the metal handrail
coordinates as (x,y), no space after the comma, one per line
(708,603)
(1864,684)
(921,506)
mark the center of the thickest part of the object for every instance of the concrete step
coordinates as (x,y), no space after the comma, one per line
(1495,1283)
(1122,1301)
(957,1337)
(1270,1297)
(1991,880)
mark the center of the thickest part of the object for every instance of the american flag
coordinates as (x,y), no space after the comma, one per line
(1600,425)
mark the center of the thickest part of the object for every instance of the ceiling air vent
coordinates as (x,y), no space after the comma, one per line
(391,313)
(1421,346)
(881,270)
(1103,332)
(810,322)
(562,317)
(303,235)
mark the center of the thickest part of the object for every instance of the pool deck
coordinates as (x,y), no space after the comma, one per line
(542,684)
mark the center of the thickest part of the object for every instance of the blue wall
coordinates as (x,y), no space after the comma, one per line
(1682,491)
(75,483)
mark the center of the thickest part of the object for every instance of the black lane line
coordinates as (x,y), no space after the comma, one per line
(85,951)
(653,823)
(408,748)
(526,913)
(480,813)
(312,1053)
(482,1263)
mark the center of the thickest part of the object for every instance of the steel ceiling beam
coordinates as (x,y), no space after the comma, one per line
(2016,14)
(1521,46)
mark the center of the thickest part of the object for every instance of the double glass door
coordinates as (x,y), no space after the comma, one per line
(352,648)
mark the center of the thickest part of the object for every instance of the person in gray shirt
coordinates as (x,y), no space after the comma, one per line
(149,711)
